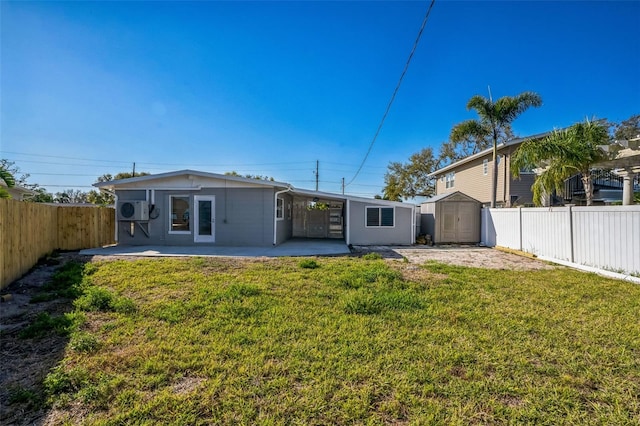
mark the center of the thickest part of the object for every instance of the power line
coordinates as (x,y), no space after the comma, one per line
(128,163)
(404,71)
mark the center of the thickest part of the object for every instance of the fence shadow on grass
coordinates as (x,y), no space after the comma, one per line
(36,324)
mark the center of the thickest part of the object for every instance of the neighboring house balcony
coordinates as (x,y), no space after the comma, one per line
(607,188)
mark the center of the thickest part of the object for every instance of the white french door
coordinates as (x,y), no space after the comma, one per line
(205,219)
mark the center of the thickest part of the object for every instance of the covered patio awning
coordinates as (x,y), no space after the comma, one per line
(624,161)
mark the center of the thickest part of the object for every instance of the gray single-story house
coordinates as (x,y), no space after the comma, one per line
(189,207)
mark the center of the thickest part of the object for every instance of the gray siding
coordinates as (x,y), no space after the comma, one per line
(132,195)
(285,226)
(427,219)
(400,234)
(243,216)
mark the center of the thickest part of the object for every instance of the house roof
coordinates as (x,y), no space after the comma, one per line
(130,183)
(17,191)
(481,154)
(330,195)
(113,184)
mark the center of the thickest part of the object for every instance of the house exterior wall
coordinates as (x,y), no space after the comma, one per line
(428,218)
(399,234)
(522,188)
(285,226)
(471,180)
(243,216)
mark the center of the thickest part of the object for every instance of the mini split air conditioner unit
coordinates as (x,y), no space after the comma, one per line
(133,210)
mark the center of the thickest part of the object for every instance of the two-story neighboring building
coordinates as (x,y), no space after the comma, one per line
(473,175)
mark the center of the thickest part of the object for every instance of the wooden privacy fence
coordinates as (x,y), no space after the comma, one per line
(602,237)
(29,231)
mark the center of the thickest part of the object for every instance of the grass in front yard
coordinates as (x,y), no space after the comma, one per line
(347,340)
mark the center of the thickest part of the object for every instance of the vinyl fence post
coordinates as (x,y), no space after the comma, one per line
(520,225)
(571,232)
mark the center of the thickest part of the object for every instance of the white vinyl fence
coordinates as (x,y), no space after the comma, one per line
(603,237)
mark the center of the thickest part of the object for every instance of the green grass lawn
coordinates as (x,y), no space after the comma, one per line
(347,341)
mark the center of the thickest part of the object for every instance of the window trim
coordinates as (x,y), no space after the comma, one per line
(279,208)
(170,209)
(366,210)
(450,180)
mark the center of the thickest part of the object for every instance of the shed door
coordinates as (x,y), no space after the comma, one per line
(448,224)
(468,227)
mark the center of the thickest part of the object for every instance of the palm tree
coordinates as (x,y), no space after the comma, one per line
(494,124)
(561,155)
(9,182)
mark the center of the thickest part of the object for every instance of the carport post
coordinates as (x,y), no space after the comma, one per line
(348,233)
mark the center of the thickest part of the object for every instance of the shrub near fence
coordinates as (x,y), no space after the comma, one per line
(29,231)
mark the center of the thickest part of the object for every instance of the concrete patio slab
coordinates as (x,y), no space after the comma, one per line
(288,248)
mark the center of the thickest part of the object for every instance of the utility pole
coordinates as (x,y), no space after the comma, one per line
(342,186)
(134,170)
(317,173)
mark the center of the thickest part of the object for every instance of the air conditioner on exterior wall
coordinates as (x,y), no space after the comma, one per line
(133,210)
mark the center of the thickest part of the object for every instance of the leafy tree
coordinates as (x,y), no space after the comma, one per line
(249,176)
(100,197)
(41,195)
(71,196)
(494,125)
(104,198)
(411,179)
(562,154)
(627,129)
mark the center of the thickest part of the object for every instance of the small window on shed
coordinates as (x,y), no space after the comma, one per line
(380,216)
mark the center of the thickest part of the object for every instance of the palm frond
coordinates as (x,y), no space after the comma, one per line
(482,106)
(469,130)
(7,178)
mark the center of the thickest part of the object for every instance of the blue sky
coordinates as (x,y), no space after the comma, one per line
(268,88)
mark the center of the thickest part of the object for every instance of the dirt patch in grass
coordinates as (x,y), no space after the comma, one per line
(470,256)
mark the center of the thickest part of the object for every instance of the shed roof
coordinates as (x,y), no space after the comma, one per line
(454,196)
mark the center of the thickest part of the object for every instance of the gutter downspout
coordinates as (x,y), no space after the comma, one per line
(275,212)
(413,225)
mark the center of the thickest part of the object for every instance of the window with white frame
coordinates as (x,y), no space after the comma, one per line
(450,179)
(279,208)
(380,216)
(485,167)
(179,206)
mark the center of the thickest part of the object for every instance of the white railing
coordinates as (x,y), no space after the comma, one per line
(603,237)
